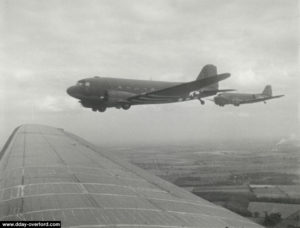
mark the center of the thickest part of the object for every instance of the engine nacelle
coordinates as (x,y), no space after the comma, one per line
(236,102)
(118,96)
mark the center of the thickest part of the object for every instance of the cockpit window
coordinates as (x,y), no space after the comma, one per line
(83,83)
(80,83)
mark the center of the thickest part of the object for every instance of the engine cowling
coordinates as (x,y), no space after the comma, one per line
(236,102)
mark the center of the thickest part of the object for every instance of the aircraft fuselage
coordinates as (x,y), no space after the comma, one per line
(245,98)
(99,93)
(237,98)
(112,92)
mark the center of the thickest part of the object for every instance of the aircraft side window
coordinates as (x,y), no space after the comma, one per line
(87,84)
(79,83)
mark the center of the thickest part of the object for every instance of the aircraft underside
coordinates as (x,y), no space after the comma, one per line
(101,106)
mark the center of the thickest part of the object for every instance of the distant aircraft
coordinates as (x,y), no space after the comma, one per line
(99,93)
(244,98)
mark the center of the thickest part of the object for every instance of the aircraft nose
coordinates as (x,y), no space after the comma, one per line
(70,90)
(73,91)
(217,99)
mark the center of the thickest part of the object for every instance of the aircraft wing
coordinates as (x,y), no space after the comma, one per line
(176,92)
(261,99)
(47,173)
(273,97)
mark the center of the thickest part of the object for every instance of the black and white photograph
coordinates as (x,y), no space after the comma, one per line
(149,113)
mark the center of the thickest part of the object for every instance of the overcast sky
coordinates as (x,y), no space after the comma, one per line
(47,46)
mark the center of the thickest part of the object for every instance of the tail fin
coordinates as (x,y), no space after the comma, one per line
(209,70)
(267,91)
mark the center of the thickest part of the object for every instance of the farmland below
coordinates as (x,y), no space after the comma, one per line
(257,179)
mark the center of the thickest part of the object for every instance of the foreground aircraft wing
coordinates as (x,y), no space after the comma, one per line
(49,174)
(176,92)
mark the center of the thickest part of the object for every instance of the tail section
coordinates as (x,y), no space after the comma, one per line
(267,91)
(209,70)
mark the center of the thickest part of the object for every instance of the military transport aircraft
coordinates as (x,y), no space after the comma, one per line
(244,98)
(48,174)
(99,93)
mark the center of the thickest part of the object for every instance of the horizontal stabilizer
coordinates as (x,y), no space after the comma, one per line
(273,97)
(277,96)
(261,99)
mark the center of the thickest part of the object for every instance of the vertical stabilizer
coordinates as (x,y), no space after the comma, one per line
(209,70)
(267,91)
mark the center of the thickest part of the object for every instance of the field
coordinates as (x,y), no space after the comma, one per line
(225,163)
(245,177)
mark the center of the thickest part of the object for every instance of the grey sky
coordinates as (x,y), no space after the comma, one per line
(47,46)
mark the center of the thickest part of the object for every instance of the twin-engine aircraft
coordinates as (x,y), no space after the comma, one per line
(244,98)
(99,93)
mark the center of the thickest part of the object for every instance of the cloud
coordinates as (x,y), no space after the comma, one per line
(49,45)
(243,114)
(293,138)
(51,103)
(248,78)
